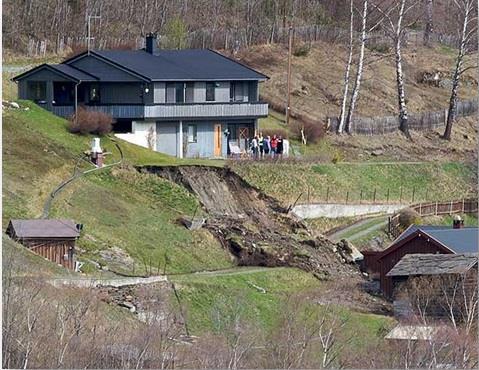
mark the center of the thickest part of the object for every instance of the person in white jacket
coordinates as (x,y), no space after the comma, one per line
(285,148)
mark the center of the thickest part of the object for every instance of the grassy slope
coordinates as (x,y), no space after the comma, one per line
(39,153)
(205,296)
(441,181)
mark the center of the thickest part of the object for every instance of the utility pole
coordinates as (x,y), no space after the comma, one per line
(290,46)
(89,28)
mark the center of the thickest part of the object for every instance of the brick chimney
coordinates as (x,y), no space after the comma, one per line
(151,45)
(457,222)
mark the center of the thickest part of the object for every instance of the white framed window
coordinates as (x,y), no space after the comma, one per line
(192,133)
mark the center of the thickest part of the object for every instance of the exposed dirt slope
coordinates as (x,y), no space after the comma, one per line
(253,226)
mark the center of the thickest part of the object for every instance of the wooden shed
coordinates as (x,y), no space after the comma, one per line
(52,239)
(425,239)
(446,278)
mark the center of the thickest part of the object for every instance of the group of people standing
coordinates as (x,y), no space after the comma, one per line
(269,147)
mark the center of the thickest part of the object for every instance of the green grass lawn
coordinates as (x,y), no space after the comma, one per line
(406,182)
(204,297)
(120,208)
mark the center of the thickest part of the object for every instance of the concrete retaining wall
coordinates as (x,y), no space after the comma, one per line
(343,210)
(93,283)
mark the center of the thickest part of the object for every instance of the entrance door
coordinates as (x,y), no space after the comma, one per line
(217,139)
(243,137)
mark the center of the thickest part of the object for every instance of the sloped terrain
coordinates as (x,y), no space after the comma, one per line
(253,226)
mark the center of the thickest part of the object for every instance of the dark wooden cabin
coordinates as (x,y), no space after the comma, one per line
(52,239)
(427,240)
(431,280)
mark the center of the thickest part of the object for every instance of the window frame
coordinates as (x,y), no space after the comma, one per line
(97,99)
(211,87)
(193,138)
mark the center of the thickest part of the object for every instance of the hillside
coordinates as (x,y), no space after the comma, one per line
(317,79)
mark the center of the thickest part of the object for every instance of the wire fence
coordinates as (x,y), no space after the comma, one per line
(371,195)
(417,121)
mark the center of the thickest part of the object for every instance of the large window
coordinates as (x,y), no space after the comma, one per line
(236,91)
(175,92)
(37,91)
(192,133)
(63,93)
(190,92)
(210,91)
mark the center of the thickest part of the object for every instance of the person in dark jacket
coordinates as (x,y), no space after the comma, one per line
(266,145)
(279,147)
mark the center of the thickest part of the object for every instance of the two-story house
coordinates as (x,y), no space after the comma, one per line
(178,102)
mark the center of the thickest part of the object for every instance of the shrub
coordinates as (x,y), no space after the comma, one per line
(301,50)
(88,122)
(408,217)
(313,130)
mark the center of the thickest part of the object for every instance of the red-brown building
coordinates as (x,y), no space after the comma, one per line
(425,239)
(52,239)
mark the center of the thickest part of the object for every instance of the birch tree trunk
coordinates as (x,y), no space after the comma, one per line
(429,23)
(403,114)
(359,72)
(346,73)
(467,8)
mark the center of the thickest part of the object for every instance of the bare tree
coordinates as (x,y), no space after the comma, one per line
(348,68)
(428,29)
(468,30)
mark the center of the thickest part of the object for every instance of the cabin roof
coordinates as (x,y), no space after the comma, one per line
(433,264)
(48,228)
(179,65)
(65,70)
(464,240)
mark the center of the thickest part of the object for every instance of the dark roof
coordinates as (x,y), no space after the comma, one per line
(464,240)
(177,65)
(44,228)
(73,72)
(433,264)
(63,69)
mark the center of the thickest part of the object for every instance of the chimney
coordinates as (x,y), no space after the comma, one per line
(151,45)
(457,222)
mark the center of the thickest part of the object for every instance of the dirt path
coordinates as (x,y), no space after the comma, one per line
(339,234)
(226,272)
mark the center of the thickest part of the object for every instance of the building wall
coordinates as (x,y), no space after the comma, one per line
(167,138)
(121,93)
(420,244)
(139,134)
(59,251)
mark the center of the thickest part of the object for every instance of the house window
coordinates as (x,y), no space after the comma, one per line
(37,90)
(236,91)
(192,133)
(189,92)
(180,92)
(210,91)
(94,93)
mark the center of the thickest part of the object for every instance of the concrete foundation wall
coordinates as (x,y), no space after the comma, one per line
(343,210)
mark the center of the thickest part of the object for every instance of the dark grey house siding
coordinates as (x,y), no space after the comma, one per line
(121,93)
(103,70)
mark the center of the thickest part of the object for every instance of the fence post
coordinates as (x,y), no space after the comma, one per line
(309,199)
(413,193)
(387,197)
(374,196)
(435,213)
(361,196)
(327,194)
(420,208)
(462,205)
(400,194)
(389,224)
(347,197)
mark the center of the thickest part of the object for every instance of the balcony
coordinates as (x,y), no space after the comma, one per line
(174,111)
